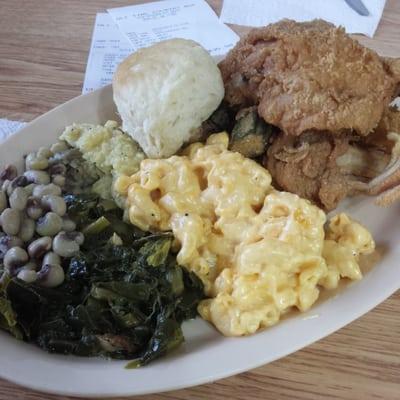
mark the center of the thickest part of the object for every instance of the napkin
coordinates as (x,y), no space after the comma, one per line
(8,127)
(262,12)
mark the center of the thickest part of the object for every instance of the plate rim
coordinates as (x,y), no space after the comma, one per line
(331,327)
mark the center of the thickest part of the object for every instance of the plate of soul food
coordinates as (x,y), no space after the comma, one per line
(195,220)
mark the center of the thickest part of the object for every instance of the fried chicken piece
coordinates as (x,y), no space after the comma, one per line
(393,64)
(387,184)
(310,76)
(390,122)
(380,156)
(325,168)
(306,165)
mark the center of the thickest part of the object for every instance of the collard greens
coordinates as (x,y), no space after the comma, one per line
(124,301)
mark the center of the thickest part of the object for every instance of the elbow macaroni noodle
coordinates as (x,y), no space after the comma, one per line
(258,251)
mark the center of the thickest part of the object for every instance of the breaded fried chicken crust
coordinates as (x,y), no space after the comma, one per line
(310,76)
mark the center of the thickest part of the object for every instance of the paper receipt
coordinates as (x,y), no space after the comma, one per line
(124,30)
(148,23)
(109,47)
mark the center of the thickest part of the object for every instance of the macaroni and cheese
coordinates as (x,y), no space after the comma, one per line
(258,251)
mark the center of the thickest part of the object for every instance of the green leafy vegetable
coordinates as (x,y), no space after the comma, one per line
(222,119)
(97,226)
(124,295)
(167,336)
(155,253)
(124,300)
(99,219)
(8,319)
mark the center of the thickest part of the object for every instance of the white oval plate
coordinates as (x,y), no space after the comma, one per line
(206,355)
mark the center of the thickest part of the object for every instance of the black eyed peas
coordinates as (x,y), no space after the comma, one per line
(68,225)
(51,258)
(44,152)
(36,234)
(42,190)
(54,203)
(34,209)
(7,242)
(29,188)
(8,173)
(50,275)
(10,220)
(59,180)
(57,169)
(15,258)
(76,236)
(33,161)
(20,181)
(27,229)
(4,186)
(38,177)
(59,147)
(38,248)
(27,275)
(49,225)
(3,201)
(27,272)
(18,199)
(66,244)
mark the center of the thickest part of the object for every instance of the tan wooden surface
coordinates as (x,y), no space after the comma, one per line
(43,52)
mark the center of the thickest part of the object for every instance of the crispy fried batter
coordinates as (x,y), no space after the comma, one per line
(326,168)
(310,76)
(393,64)
(307,166)
(330,97)
(390,122)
